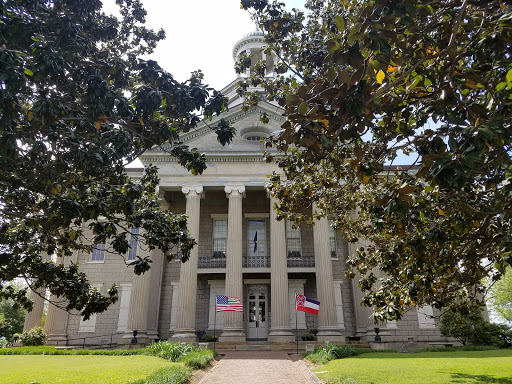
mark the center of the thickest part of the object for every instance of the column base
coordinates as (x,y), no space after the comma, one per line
(234,335)
(184,336)
(283,335)
(143,337)
(329,334)
(57,339)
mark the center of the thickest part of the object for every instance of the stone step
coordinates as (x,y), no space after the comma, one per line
(264,346)
(253,347)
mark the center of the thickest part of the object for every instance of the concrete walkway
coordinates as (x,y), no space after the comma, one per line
(260,367)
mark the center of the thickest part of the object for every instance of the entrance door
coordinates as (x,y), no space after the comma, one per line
(257,328)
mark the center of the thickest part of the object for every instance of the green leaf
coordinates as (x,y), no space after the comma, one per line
(509,76)
(292,100)
(501,85)
(340,23)
(28,72)
(303,108)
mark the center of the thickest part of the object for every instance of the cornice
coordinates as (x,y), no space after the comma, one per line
(245,41)
(234,158)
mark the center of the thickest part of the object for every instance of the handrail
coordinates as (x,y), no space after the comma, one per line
(84,338)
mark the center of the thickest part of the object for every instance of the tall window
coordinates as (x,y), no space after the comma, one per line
(220,234)
(256,244)
(293,244)
(332,240)
(134,238)
(98,252)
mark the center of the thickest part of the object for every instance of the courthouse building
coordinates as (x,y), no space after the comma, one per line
(242,251)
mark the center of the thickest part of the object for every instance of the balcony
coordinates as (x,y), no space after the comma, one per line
(256,262)
(211,262)
(302,262)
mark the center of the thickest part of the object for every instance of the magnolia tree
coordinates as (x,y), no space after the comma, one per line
(362,82)
(77,103)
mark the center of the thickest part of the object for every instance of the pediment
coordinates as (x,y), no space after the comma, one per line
(204,139)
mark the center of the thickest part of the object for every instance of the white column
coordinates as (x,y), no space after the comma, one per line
(327,317)
(186,316)
(364,323)
(339,304)
(144,288)
(56,324)
(124,307)
(174,305)
(34,317)
(280,330)
(139,307)
(233,321)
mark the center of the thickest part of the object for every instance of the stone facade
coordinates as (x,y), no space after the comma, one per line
(252,256)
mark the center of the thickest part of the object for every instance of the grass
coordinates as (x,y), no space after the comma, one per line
(45,369)
(463,367)
(197,359)
(150,365)
(45,350)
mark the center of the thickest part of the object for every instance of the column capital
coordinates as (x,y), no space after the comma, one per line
(235,190)
(193,191)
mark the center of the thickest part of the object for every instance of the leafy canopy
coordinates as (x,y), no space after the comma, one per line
(12,316)
(77,103)
(363,81)
(500,296)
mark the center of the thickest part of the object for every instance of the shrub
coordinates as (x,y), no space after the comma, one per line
(197,359)
(33,337)
(3,342)
(331,352)
(306,336)
(175,374)
(341,351)
(471,328)
(463,348)
(200,334)
(207,338)
(47,350)
(169,351)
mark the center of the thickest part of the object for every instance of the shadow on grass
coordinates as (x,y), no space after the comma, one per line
(457,378)
(432,355)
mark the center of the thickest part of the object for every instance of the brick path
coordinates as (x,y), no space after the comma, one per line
(260,367)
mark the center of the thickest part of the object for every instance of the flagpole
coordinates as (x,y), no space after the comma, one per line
(296,326)
(214,323)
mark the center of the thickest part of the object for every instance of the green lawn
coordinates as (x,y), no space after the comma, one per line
(79,369)
(421,368)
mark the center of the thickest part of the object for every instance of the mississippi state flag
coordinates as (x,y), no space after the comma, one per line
(305,304)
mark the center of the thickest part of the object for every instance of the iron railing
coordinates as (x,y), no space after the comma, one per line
(91,342)
(212,262)
(256,262)
(303,262)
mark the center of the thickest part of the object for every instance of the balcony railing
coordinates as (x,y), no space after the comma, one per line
(256,262)
(303,262)
(211,262)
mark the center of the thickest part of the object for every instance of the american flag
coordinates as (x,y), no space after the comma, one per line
(226,303)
